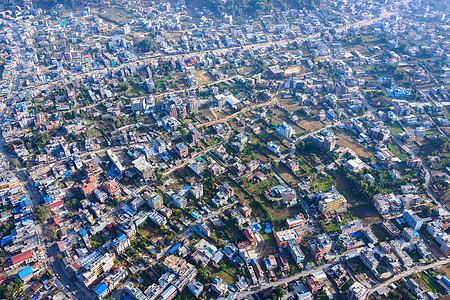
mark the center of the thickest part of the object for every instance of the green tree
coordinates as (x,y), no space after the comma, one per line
(41,212)
(50,232)
(441,142)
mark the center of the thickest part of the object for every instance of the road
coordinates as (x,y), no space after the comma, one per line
(245,109)
(35,199)
(145,59)
(409,272)
(259,288)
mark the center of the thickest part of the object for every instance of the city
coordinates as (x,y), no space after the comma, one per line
(234,149)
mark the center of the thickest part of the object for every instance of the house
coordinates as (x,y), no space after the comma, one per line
(274,148)
(182,150)
(320,246)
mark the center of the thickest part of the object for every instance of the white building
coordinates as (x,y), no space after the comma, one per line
(286,130)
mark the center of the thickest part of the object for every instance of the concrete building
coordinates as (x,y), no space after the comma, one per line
(155,201)
(357,292)
(286,130)
(296,251)
(413,220)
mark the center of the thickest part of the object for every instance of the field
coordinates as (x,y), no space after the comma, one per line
(202,77)
(429,283)
(286,174)
(367,213)
(288,212)
(115,14)
(380,233)
(229,275)
(397,151)
(395,129)
(346,141)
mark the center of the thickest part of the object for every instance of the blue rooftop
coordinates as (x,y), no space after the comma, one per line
(121,237)
(27,271)
(100,288)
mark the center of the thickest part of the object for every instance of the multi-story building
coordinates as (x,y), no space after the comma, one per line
(143,168)
(332,200)
(390,228)
(320,246)
(352,227)
(298,220)
(274,148)
(195,287)
(182,150)
(283,237)
(357,292)
(112,188)
(412,219)
(368,258)
(295,251)
(381,204)
(121,243)
(286,130)
(155,201)
(179,201)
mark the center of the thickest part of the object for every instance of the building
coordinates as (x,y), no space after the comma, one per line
(143,168)
(157,218)
(357,292)
(352,227)
(155,201)
(195,287)
(274,148)
(296,251)
(179,201)
(121,243)
(368,258)
(332,200)
(182,150)
(390,228)
(101,195)
(173,264)
(381,204)
(413,220)
(285,130)
(196,190)
(320,246)
(283,237)
(138,104)
(298,220)
(112,188)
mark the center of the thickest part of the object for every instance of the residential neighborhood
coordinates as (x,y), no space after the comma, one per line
(224,150)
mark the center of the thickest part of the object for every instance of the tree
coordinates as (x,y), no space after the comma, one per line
(275,164)
(426,210)
(14,163)
(41,212)
(442,142)
(50,232)
(277,293)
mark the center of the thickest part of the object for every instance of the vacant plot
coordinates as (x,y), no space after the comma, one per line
(286,174)
(366,213)
(397,151)
(396,129)
(229,275)
(116,15)
(311,124)
(281,213)
(322,183)
(346,141)
(380,233)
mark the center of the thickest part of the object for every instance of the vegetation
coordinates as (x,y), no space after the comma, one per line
(41,212)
